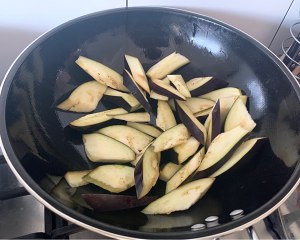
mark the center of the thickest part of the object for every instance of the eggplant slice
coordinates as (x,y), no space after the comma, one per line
(184,151)
(196,128)
(139,117)
(113,202)
(146,172)
(221,146)
(196,104)
(171,138)
(202,85)
(84,98)
(168,171)
(245,151)
(181,198)
(165,90)
(96,119)
(167,65)
(135,90)
(239,116)
(223,92)
(113,177)
(145,128)
(183,173)
(137,72)
(75,178)
(129,136)
(124,100)
(165,117)
(101,73)
(180,85)
(101,148)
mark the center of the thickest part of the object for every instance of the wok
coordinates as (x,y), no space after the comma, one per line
(36,142)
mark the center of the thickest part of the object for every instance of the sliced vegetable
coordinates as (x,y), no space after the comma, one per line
(171,138)
(244,99)
(181,198)
(102,73)
(221,146)
(101,148)
(183,173)
(139,155)
(245,151)
(157,96)
(139,117)
(186,150)
(172,104)
(114,178)
(165,117)
(223,92)
(225,106)
(121,99)
(180,85)
(165,90)
(167,65)
(137,72)
(96,119)
(215,127)
(75,178)
(146,172)
(239,116)
(145,128)
(129,136)
(203,113)
(84,98)
(112,202)
(199,104)
(196,128)
(168,171)
(201,85)
(135,90)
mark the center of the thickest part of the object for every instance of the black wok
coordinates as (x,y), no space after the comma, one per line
(35,141)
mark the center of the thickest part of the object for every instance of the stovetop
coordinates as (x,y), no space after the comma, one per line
(22,216)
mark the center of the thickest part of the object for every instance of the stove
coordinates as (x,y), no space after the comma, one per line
(23,217)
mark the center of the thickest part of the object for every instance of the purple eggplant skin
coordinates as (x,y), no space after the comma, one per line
(163,91)
(190,125)
(135,91)
(112,202)
(216,120)
(211,85)
(202,119)
(253,151)
(138,177)
(118,101)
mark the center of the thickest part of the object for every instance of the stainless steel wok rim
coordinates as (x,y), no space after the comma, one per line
(109,230)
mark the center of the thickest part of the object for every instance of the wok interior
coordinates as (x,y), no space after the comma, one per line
(45,75)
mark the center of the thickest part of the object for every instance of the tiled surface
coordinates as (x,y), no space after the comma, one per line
(23,21)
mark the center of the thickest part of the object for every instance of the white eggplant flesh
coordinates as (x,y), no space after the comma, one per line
(181,198)
(101,148)
(172,137)
(101,73)
(129,136)
(114,178)
(84,98)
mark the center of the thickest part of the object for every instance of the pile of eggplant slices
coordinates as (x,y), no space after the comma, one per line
(202,124)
